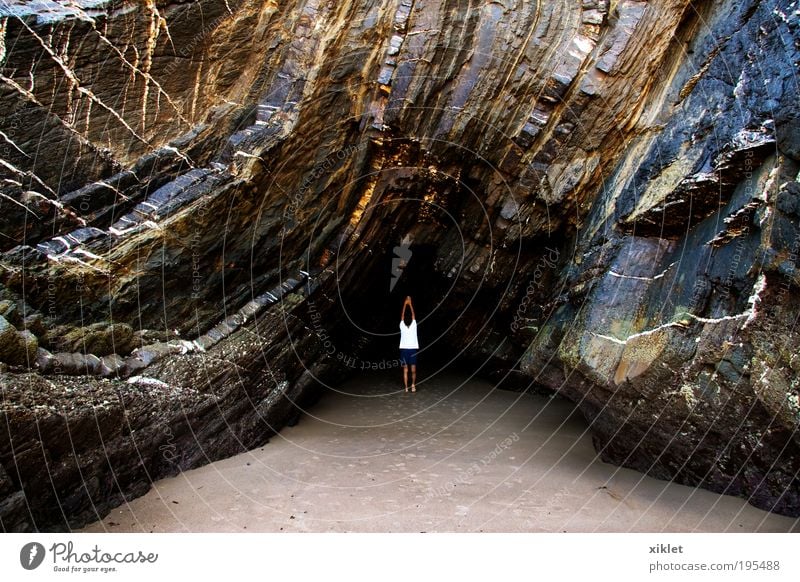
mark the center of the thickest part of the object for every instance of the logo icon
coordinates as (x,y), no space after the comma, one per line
(402,254)
(31,555)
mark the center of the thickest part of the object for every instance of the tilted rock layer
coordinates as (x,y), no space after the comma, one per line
(212,210)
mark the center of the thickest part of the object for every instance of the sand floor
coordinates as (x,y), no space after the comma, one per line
(454,456)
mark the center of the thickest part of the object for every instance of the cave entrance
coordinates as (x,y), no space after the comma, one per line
(373,307)
(426,235)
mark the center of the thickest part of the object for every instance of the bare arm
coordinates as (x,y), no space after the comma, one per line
(407,303)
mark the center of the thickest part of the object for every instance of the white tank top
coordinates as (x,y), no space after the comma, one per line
(408,335)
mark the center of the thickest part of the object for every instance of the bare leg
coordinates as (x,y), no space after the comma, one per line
(405,377)
(413,377)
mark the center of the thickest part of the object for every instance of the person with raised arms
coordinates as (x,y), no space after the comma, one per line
(409,345)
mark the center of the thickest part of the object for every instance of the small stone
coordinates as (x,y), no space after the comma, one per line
(35,324)
(45,361)
(71,363)
(30,345)
(133,365)
(592,17)
(7,331)
(8,310)
(75,364)
(92,364)
(385,76)
(394,45)
(16,347)
(111,365)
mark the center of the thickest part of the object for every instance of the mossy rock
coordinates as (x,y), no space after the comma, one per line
(17,348)
(30,345)
(99,339)
(143,337)
(8,310)
(8,338)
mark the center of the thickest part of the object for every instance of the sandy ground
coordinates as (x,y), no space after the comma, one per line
(454,456)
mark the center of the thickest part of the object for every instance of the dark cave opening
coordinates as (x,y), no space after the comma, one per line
(456,321)
(372,309)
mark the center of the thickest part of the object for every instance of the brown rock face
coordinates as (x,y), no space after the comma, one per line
(228,200)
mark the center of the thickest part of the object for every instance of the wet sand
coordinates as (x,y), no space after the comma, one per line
(454,456)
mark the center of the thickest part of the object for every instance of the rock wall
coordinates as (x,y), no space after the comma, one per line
(207,207)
